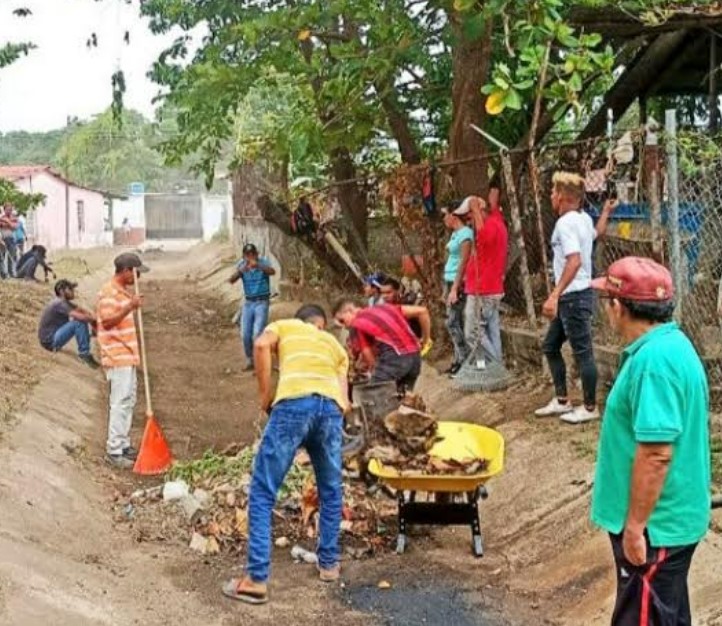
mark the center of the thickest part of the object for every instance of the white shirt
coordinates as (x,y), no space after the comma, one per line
(574,233)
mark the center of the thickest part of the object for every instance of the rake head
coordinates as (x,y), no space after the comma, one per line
(495,377)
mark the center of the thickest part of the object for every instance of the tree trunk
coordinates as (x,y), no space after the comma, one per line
(399,125)
(471,62)
(352,200)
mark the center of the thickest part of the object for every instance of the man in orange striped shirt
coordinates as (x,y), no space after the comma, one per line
(120,356)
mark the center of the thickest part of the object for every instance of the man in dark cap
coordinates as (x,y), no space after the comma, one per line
(652,483)
(120,356)
(254,272)
(62,320)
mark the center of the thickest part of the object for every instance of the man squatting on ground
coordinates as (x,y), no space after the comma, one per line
(254,273)
(484,278)
(120,356)
(381,335)
(29,263)
(570,306)
(307,411)
(653,476)
(62,319)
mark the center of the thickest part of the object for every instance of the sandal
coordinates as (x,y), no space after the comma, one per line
(234,589)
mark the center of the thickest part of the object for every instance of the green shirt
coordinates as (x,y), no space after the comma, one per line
(660,396)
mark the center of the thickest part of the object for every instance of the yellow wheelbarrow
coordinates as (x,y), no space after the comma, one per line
(460,441)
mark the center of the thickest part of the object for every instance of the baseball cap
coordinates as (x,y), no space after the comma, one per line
(63,283)
(129,261)
(375,279)
(637,278)
(464,208)
(250,248)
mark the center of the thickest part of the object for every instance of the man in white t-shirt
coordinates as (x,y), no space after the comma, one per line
(570,305)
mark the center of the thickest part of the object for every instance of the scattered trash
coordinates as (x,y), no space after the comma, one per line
(384,584)
(283,542)
(299,554)
(203,498)
(204,545)
(153,493)
(346,526)
(175,490)
(191,508)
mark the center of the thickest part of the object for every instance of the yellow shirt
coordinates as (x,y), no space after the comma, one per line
(310,361)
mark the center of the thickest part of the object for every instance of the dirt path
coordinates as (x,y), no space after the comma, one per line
(72,556)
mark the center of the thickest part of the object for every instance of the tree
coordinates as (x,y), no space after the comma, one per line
(22,202)
(104,155)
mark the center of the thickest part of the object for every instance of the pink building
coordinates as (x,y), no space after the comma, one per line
(71,216)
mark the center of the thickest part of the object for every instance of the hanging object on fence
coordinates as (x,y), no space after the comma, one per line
(427,193)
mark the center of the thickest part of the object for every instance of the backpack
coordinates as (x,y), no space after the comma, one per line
(302,220)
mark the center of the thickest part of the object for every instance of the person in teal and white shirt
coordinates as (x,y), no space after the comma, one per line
(459,251)
(653,477)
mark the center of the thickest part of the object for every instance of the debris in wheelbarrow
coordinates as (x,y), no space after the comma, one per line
(405,439)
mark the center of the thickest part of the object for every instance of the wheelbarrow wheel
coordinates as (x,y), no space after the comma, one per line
(400,544)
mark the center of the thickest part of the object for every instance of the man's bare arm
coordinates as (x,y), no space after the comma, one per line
(263,349)
(420,313)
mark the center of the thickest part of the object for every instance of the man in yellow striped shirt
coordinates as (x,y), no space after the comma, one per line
(307,410)
(118,341)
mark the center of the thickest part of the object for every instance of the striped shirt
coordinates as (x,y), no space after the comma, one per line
(118,345)
(384,323)
(310,361)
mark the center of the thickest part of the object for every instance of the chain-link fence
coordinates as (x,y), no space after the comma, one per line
(655,177)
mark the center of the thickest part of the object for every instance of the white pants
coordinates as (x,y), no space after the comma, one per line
(123,387)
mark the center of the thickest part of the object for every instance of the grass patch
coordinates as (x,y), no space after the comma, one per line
(584,448)
(214,469)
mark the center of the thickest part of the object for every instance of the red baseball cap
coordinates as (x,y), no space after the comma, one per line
(637,278)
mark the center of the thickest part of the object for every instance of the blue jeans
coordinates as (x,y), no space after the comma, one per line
(7,257)
(253,320)
(574,324)
(73,328)
(482,327)
(315,423)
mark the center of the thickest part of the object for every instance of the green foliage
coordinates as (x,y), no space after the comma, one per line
(23,202)
(213,468)
(11,52)
(26,148)
(535,34)
(106,155)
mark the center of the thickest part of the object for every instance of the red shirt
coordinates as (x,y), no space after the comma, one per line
(384,323)
(485,270)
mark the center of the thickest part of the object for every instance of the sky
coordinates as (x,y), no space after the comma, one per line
(62,77)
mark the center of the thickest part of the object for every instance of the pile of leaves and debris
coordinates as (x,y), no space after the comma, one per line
(204,503)
(405,437)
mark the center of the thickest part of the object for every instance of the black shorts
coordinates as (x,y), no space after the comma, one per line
(653,594)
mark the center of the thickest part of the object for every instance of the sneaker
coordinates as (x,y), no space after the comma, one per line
(89,360)
(130,453)
(453,369)
(120,461)
(329,575)
(480,364)
(248,368)
(580,415)
(554,408)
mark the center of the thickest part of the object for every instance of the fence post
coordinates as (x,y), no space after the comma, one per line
(673,217)
(519,234)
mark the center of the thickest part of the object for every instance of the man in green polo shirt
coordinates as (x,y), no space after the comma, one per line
(652,484)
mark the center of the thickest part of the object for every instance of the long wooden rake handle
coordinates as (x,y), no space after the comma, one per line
(143,357)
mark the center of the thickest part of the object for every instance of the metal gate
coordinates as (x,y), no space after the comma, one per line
(173,216)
